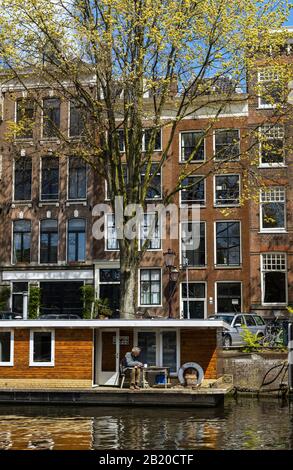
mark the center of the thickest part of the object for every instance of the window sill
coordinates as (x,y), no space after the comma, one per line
(192,161)
(219,206)
(45,140)
(22,203)
(195,267)
(73,202)
(238,266)
(150,306)
(6,364)
(273,232)
(272,165)
(42,364)
(23,140)
(49,203)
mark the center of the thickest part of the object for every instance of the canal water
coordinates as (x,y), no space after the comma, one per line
(242,424)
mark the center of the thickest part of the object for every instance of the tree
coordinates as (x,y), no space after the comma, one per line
(135,64)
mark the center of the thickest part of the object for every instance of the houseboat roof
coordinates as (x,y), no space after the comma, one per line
(115,323)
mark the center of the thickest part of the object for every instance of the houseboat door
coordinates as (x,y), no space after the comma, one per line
(108,369)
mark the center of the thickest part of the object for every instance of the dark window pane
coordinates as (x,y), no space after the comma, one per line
(42,346)
(273,215)
(154,190)
(22,179)
(21,241)
(50,178)
(193,243)
(150,287)
(51,117)
(77,178)
(5,350)
(49,241)
(76,240)
(77,117)
(192,146)
(109,275)
(227,144)
(25,116)
(228,243)
(249,321)
(170,350)
(194,190)
(227,190)
(272,151)
(146,341)
(228,297)
(147,138)
(275,287)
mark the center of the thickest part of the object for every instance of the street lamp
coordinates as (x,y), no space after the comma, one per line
(169,258)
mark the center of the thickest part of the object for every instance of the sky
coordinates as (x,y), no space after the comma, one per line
(289,22)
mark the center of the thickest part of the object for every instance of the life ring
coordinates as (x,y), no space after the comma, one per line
(191,365)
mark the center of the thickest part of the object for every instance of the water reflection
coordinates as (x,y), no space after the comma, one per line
(245,424)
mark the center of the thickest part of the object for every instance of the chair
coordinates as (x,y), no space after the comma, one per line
(122,372)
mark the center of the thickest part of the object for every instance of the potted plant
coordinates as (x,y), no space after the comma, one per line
(102,308)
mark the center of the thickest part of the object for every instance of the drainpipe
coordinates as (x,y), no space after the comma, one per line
(25,305)
(290,356)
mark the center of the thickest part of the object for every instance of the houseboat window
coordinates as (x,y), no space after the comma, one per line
(274,278)
(193,300)
(193,243)
(169,353)
(146,341)
(228,297)
(227,144)
(23,179)
(227,190)
(50,178)
(76,240)
(77,118)
(5,348)
(49,241)
(21,241)
(25,115)
(111,234)
(51,117)
(77,178)
(192,146)
(228,243)
(150,230)
(150,286)
(42,348)
(193,190)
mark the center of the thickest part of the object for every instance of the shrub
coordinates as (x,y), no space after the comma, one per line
(34,301)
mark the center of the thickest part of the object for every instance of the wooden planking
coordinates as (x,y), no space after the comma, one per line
(73,356)
(200,346)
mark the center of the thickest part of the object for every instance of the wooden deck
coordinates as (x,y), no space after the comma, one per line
(112,396)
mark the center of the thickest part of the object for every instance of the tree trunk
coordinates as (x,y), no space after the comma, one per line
(128,287)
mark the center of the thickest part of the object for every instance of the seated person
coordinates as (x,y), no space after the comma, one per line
(132,362)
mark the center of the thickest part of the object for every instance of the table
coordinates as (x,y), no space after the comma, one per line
(156,370)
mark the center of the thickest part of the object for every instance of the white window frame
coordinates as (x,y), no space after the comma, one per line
(263,271)
(43,137)
(224,266)
(51,202)
(159,345)
(189,203)
(228,282)
(180,146)
(151,268)
(193,299)
(67,241)
(12,240)
(143,140)
(11,362)
(31,351)
(267,75)
(180,243)
(268,128)
(106,233)
(214,144)
(216,204)
(279,193)
(141,240)
(39,239)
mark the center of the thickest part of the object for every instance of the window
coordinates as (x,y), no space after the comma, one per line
(192,146)
(150,230)
(50,178)
(21,241)
(154,190)
(146,138)
(76,118)
(227,190)
(6,348)
(77,178)
(228,297)
(272,210)
(109,288)
(51,117)
(274,278)
(228,244)
(270,88)
(193,190)
(249,321)
(76,244)
(23,179)
(169,350)
(121,140)
(272,145)
(193,297)
(227,144)
(111,234)
(125,176)
(42,345)
(18,291)
(49,241)
(193,243)
(150,287)
(147,342)
(25,114)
